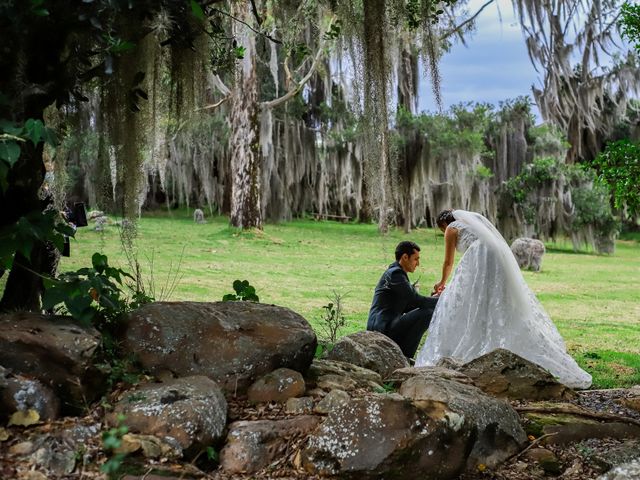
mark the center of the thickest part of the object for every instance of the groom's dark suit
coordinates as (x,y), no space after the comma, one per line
(400,312)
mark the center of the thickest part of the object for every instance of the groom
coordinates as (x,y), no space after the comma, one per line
(397,310)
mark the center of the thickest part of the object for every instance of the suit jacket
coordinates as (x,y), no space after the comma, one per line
(394,295)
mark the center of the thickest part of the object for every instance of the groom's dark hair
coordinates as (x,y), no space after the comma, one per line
(406,247)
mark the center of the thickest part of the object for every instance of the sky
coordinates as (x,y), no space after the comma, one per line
(493,67)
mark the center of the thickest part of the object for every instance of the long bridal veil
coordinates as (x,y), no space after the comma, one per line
(488,305)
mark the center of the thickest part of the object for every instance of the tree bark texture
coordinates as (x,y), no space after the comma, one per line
(246,201)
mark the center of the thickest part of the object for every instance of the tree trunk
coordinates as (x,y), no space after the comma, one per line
(246,194)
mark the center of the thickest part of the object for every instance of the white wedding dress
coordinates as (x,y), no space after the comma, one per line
(488,305)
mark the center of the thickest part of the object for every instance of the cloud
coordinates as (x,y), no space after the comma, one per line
(495,66)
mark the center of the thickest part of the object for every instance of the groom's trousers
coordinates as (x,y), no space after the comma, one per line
(408,329)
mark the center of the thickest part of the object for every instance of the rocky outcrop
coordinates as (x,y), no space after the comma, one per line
(252,445)
(189,412)
(371,350)
(55,351)
(389,436)
(498,434)
(232,343)
(504,374)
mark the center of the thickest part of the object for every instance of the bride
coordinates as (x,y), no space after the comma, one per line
(488,305)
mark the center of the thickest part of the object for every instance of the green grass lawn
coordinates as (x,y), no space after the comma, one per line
(594,300)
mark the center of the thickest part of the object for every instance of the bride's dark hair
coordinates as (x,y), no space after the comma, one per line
(445,217)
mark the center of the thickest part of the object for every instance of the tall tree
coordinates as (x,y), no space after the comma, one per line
(48,51)
(584,89)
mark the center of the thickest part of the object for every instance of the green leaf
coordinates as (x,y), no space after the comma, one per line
(239,52)
(99,262)
(197,11)
(34,129)
(53,296)
(9,151)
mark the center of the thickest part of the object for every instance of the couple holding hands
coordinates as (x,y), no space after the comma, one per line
(486,306)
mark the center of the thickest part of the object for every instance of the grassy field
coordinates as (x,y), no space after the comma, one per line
(594,300)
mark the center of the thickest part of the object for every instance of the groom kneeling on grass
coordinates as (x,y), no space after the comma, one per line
(397,310)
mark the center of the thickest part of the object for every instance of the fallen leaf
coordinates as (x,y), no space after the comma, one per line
(24,419)
(4,434)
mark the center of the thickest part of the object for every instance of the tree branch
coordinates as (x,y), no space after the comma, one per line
(291,93)
(458,28)
(269,37)
(213,105)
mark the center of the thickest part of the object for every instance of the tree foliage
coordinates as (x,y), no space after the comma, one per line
(618,166)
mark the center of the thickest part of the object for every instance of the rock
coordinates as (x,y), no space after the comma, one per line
(504,374)
(371,350)
(21,394)
(571,428)
(232,343)
(276,386)
(299,405)
(198,216)
(528,253)
(330,374)
(389,436)
(189,411)
(22,448)
(253,445)
(151,446)
(402,374)
(332,400)
(499,434)
(546,459)
(626,471)
(29,340)
(615,454)
(450,363)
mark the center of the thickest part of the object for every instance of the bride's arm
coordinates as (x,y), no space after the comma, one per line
(450,241)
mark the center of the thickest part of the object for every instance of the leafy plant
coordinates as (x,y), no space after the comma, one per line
(12,136)
(332,319)
(243,292)
(90,295)
(111,441)
(21,236)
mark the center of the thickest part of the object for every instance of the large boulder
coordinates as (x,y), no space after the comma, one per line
(253,445)
(504,374)
(190,411)
(29,342)
(371,350)
(499,434)
(528,253)
(232,343)
(389,436)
